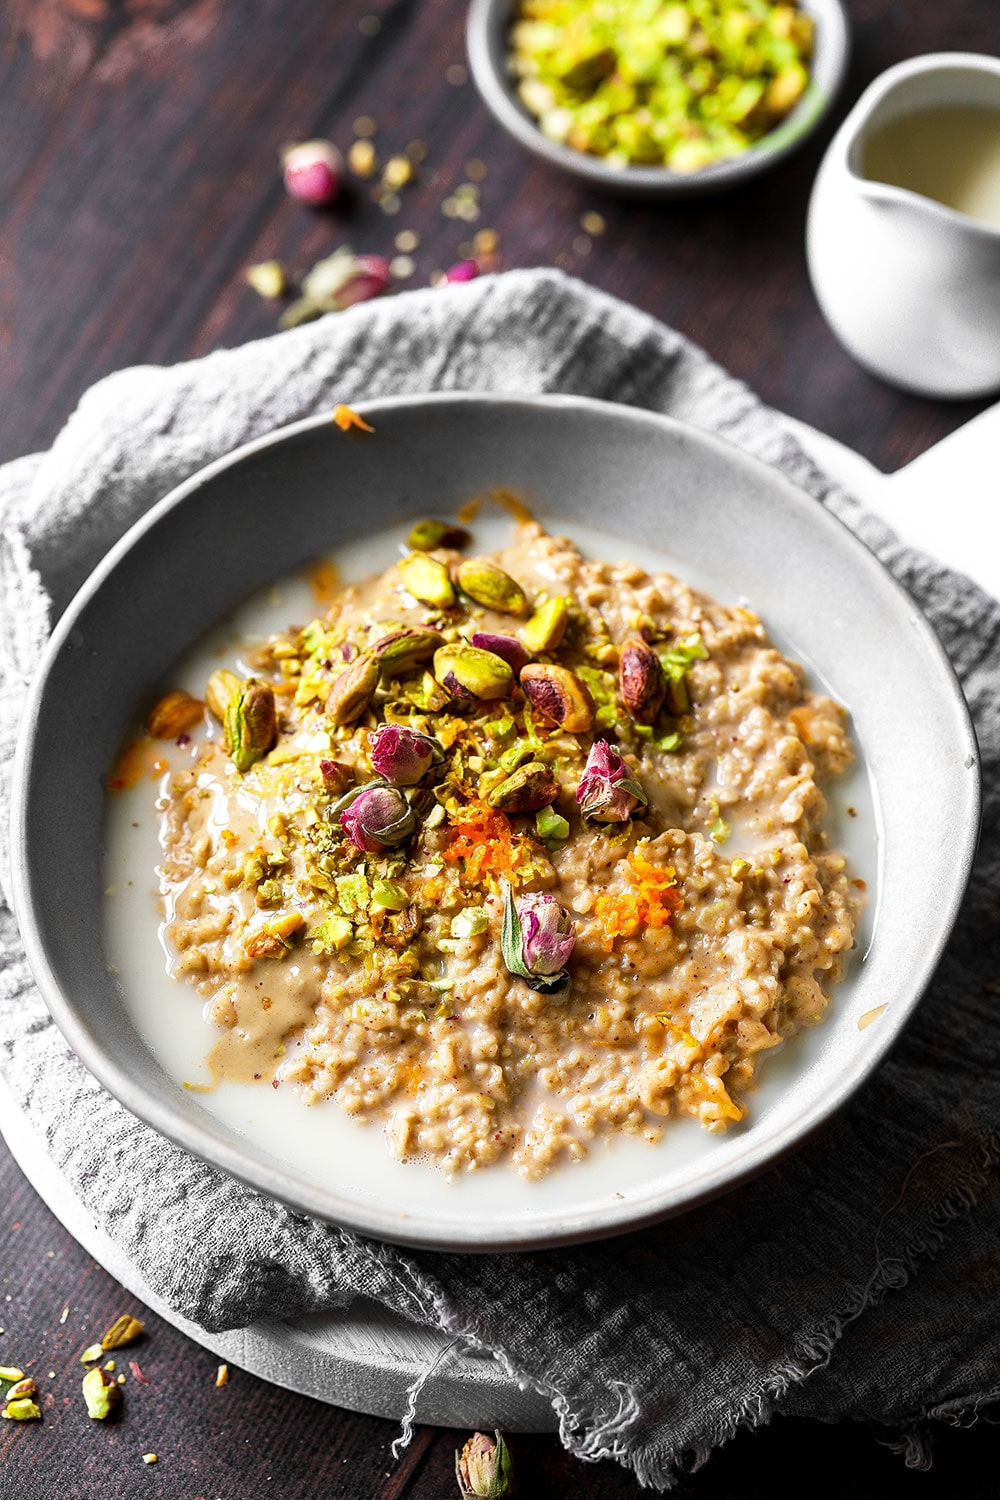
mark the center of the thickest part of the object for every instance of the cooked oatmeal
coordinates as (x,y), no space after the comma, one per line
(509,854)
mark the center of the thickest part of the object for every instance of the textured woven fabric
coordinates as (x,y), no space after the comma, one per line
(860,1278)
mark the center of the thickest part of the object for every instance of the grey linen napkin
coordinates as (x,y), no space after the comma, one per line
(860,1278)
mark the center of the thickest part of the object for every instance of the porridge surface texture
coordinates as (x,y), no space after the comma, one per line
(705,913)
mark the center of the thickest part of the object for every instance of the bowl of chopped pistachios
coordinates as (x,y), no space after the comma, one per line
(658,98)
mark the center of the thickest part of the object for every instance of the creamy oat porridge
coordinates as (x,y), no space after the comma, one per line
(507,854)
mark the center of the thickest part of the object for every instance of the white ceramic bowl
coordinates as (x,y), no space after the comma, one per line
(730,524)
(487,44)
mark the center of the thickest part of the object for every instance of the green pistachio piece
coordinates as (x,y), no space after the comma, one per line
(353,690)
(527,790)
(427,580)
(101,1393)
(470,672)
(403,651)
(427,535)
(491,587)
(251,723)
(556,694)
(22,1410)
(221,688)
(547,626)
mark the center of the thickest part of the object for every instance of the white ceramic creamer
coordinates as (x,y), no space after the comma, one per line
(903,240)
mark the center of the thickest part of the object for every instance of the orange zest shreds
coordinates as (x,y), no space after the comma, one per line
(346,418)
(129,768)
(680,1032)
(714,1092)
(484,838)
(229,838)
(159,766)
(513,505)
(323,580)
(651,901)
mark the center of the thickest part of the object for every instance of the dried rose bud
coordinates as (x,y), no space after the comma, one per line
(403,755)
(537,939)
(608,792)
(338,281)
(464,270)
(484,1468)
(313,172)
(377,817)
(507,647)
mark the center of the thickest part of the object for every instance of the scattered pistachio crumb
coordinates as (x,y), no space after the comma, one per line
(222,1375)
(100,1394)
(402,267)
(91,1354)
(475,169)
(124,1330)
(267,278)
(149,1458)
(362,158)
(109,1364)
(8,1372)
(592,222)
(407,240)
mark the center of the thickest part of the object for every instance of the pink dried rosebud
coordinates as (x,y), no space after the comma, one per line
(464,270)
(376,817)
(536,939)
(608,792)
(507,647)
(403,755)
(484,1468)
(313,172)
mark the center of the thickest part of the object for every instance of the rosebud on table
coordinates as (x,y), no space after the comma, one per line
(484,1468)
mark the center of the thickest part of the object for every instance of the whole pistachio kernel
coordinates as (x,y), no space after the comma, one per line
(222,685)
(557,695)
(469,672)
(641,681)
(427,580)
(404,651)
(251,723)
(353,690)
(427,535)
(488,585)
(547,626)
(526,790)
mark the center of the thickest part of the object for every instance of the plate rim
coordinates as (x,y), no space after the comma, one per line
(614,1217)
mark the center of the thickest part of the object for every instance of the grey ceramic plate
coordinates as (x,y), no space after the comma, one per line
(486,39)
(726,519)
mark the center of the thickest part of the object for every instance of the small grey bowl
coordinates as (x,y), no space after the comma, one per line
(486,38)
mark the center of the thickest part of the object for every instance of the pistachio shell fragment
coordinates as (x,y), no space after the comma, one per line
(427,580)
(222,685)
(403,651)
(175,713)
(251,723)
(353,690)
(547,626)
(427,535)
(491,587)
(469,672)
(527,790)
(557,695)
(641,681)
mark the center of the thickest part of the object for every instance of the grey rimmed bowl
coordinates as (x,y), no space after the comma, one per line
(486,40)
(646,479)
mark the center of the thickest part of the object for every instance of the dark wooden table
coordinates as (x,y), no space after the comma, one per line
(138,150)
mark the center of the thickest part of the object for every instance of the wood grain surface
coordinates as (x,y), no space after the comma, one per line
(138,178)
